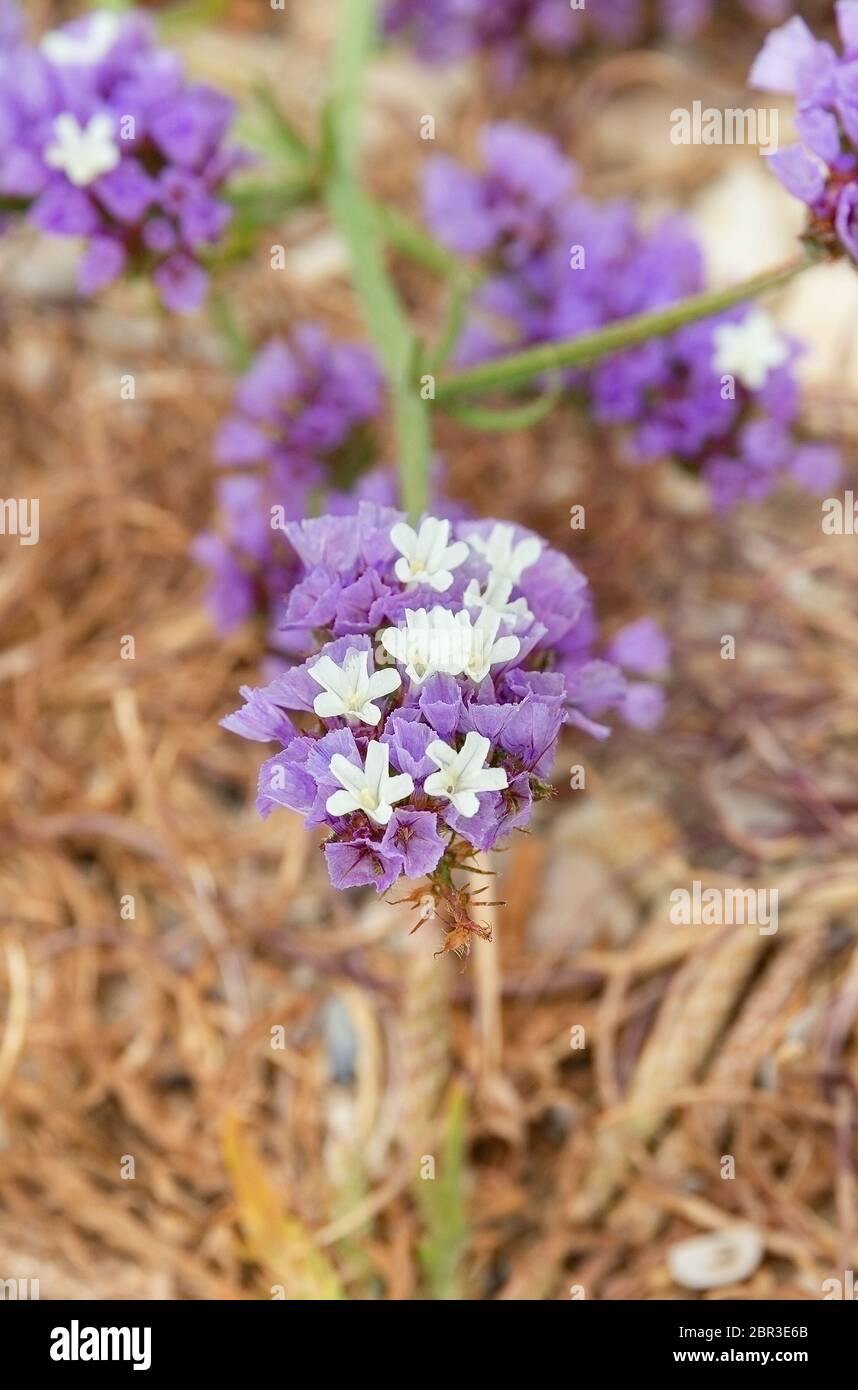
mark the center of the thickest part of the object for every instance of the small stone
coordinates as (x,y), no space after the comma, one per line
(714,1261)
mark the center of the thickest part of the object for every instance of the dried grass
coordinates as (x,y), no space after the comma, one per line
(295,1168)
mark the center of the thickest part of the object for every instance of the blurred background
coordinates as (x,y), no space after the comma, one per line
(219,1079)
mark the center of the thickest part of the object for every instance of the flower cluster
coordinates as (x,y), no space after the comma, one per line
(442,30)
(822,168)
(299,431)
(423,726)
(721,395)
(103,137)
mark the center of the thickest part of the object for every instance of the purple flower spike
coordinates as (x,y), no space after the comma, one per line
(430,737)
(103,137)
(690,395)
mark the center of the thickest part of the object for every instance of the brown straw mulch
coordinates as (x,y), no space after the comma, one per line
(220,1080)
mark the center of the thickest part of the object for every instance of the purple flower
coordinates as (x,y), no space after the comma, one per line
(362,863)
(800,171)
(182,283)
(643,706)
(413,836)
(275,428)
(530,735)
(467,720)
(103,262)
(693,395)
(259,719)
(822,170)
(846,219)
(511,31)
(409,738)
(641,647)
(103,137)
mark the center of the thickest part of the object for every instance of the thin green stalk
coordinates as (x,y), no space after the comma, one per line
(588,348)
(517,417)
(357,221)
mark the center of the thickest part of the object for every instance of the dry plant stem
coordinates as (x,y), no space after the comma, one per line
(697,1006)
(487,989)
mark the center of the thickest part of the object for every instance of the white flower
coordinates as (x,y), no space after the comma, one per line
(439,641)
(369,788)
(83,153)
(496,597)
(349,690)
(429,642)
(426,557)
(85,47)
(483,648)
(462,775)
(507,560)
(749,350)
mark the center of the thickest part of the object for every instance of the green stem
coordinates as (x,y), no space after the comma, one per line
(520,417)
(588,348)
(357,221)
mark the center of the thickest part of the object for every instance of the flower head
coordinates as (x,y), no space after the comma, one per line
(666,395)
(822,169)
(105,139)
(459,758)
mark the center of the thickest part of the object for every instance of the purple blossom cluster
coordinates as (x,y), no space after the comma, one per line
(298,439)
(103,137)
(720,396)
(444,661)
(822,168)
(444,30)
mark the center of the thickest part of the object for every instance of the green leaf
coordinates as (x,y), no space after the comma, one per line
(503,421)
(279,136)
(413,241)
(236,340)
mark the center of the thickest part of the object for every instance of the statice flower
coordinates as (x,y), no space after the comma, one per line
(642,651)
(104,138)
(720,396)
(822,168)
(422,724)
(300,430)
(509,31)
